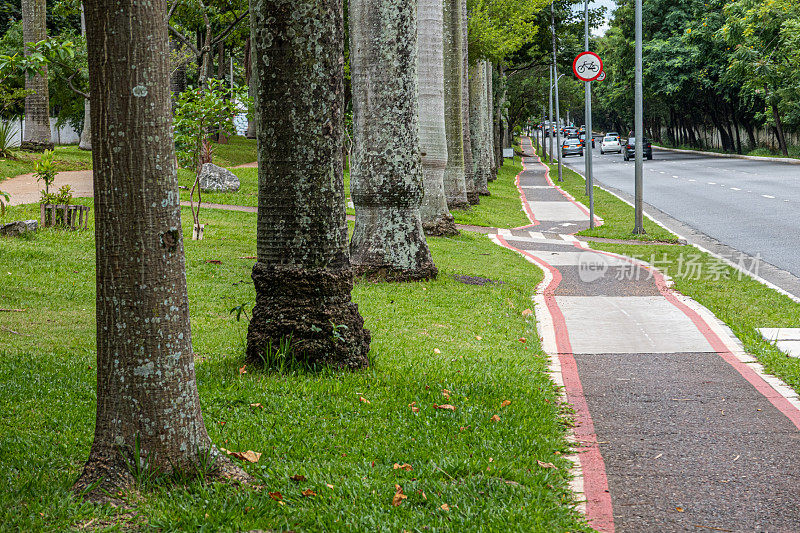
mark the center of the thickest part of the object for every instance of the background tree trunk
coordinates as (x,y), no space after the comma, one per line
(148,410)
(37,135)
(469,166)
(455,187)
(490,122)
(303,277)
(85,142)
(436,217)
(386,170)
(248,71)
(478,118)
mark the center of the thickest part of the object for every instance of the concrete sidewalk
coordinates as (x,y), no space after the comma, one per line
(678,428)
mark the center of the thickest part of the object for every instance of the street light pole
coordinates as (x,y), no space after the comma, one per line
(555,75)
(638,228)
(588,122)
(544,144)
(551,133)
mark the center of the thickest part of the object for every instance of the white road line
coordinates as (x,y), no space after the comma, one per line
(692,180)
(735,189)
(712,182)
(676,177)
(768,196)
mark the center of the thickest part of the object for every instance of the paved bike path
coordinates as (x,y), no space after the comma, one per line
(679,430)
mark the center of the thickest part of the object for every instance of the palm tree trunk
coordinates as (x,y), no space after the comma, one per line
(436,218)
(148,409)
(490,129)
(469,167)
(85,142)
(303,277)
(37,136)
(478,117)
(455,187)
(386,170)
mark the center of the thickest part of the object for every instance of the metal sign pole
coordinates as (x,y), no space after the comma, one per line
(555,76)
(544,144)
(550,133)
(588,122)
(639,125)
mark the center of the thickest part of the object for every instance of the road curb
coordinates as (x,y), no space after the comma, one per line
(789,160)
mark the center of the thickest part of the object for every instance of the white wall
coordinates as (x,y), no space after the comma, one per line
(63,135)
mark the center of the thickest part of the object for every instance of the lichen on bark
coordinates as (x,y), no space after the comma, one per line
(469,167)
(436,217)
(303,276)
(454,176)
(386,169)
(478,122)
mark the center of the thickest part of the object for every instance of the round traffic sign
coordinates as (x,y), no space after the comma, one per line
(587,66)
(601,77)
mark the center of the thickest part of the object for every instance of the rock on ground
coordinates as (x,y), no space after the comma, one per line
(14,229)
(217,179)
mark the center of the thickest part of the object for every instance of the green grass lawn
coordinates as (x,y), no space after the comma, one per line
(68,157)
(427,337)
(738,300)
(237,151)
(503,208)
(617,216)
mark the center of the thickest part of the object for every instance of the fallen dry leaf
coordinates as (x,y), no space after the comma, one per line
(329,485)
(545,465)
(243,370)
(277,496)
(249,455)
(308,493)
(505,403)
(414,408)
(363,400)
(405,466)
(445,507)
(679,509)
(478,337)
(527,312)
(446,407)
(298,477)
(214,261)
(446,393)
(437,350)
(398,496)
(495,418)
(522,339)
(424,497)
(491,460)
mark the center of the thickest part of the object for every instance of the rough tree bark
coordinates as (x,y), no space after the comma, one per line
(436,218)
(386,168)
(148,409)
(455,187)
(251,119)
(469,167)
(303,277)
(37,136)
(478,117)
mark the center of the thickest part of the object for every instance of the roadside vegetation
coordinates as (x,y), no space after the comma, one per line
(349,438)
(67,157)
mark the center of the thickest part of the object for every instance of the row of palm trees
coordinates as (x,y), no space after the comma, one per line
(416,155)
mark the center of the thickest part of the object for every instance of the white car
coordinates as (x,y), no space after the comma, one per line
(610,144)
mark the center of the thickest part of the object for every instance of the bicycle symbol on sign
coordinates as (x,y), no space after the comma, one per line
(591,66)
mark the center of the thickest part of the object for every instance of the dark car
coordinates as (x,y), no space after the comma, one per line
(583,139)
(572,147)
(630,149)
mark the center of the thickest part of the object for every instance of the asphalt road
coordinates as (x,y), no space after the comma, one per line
(751,206)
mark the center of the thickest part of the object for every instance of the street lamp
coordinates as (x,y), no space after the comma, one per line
(555,73)
(588,122)
(638,227)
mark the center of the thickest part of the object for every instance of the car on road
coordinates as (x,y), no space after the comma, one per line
(610,143)
(630,149)
(615,134)
(571,147)
(582,137)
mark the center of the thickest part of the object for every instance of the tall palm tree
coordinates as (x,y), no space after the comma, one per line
(37,134)
(436,217)
(478,126)
(303,276)
(86,134)
(469,167)
(386,169)
(490,139)
(455,187)
(148,409)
